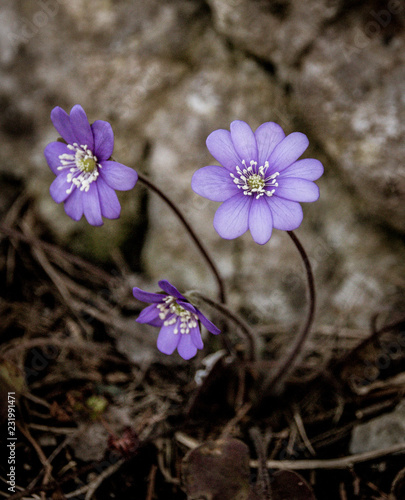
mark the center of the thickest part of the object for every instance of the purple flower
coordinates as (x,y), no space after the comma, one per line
(260,182)
(177,318)
(85,178)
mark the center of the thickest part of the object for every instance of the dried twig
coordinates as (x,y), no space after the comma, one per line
(46,465)
(261,445)
(90,488)
(151,482)
(301,429)
(333,463)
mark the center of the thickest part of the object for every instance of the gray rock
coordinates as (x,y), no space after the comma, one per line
(353,98)
(278,32)
(345,70)
(380,432)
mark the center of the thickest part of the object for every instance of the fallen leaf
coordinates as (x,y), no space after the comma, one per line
(217,470)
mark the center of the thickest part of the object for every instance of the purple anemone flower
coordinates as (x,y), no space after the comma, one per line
(260,181)
(85,178)
(177,318)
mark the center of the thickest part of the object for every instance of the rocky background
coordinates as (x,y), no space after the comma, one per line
(166,74)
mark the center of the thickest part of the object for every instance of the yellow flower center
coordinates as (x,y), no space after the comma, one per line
(81,165)
(86,164)
(256,181)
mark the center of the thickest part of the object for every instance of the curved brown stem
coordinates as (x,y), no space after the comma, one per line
(191,232)
(273,383)
(228,314)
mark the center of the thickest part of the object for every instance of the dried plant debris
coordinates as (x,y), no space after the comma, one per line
(98,418)
(287,484)
(217,470)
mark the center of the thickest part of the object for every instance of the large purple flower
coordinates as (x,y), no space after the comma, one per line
(85,178)
(177,318)
(260,181)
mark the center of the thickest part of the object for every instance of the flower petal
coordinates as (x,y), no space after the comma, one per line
(170,289)
(195,335)
(213,183)
(260,221)
(168,340)
(231,218)
(61,122)
(74,205)
(147,296)
(91,206)
(291,188)
(103,139)
(288,151)
(187,306)
(220,145)
(110,206)
(81,127)
(244,141)
(287,215)
(59,187)
(207,323)
(118,176)
(186,347)
(148,314)
(268,135)
(52,153)
(308,168)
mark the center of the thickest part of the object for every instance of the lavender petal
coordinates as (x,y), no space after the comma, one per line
(214,183)
(61,122)
(91,206)
(74,205)
(291,188)
(103,139)
(220,145)
(81,127)
(110,206)
(260,221)
(168,340)
(147,296)
(207,323)
(287,215)
(195,335)
(268,135)
(244,141)
(170,289)
(288,151)
(186,347)
(231,218)
(118,176)
(150,313)
(308,168)
(59,188)
(52,153)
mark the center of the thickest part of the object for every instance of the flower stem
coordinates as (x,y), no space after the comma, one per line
(228,314)
(190,230)
(273,383)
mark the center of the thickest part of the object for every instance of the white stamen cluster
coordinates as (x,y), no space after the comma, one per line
(253,180)
(82,165)
(171,308)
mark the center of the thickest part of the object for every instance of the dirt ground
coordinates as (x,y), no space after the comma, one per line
(96,421)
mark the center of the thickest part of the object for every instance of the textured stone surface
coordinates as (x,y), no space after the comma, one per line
(278,32)
(166,74)
(345,70)
(380,432)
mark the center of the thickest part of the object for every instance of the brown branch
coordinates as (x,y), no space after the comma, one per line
(332,463)
(274,382)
